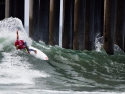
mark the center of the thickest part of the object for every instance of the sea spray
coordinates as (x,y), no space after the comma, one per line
(14,66)
(8,28)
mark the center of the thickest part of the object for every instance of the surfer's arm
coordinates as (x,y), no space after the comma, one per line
(17,35)
(17,47)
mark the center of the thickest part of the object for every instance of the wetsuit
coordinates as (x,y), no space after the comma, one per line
(22,44)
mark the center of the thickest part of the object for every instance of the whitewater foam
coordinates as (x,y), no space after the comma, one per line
(16,71)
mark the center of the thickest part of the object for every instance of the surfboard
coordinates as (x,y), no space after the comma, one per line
(39,53)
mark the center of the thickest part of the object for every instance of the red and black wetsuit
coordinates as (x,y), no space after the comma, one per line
(20,43)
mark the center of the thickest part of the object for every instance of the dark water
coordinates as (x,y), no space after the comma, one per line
(66,72)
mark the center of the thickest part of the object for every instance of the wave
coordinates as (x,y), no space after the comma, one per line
(66,69)
(13,65)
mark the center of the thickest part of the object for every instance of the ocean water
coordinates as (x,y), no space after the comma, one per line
(66,72)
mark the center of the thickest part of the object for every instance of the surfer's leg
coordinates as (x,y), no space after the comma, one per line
(33,50)
(25,44)
(30,50)
(28,47)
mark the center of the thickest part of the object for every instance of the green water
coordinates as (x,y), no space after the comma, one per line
(66,72)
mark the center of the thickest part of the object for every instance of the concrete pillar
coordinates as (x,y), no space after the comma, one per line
(7,4)
(34,19)
(2,8)
(68,22)
(44,21)
(109,25)
(120,23)
(31,18)
(89,32)
(54,22)
(15,8)
(98,18)
(79,24)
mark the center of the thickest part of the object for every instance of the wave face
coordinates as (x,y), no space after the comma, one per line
(66,72)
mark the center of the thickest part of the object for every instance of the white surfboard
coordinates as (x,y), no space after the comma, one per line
(39,53)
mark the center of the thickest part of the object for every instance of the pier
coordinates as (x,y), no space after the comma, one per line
(81,21)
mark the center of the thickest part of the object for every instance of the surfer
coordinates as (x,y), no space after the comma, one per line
(21,44)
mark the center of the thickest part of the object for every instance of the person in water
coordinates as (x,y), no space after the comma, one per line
(21,44)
